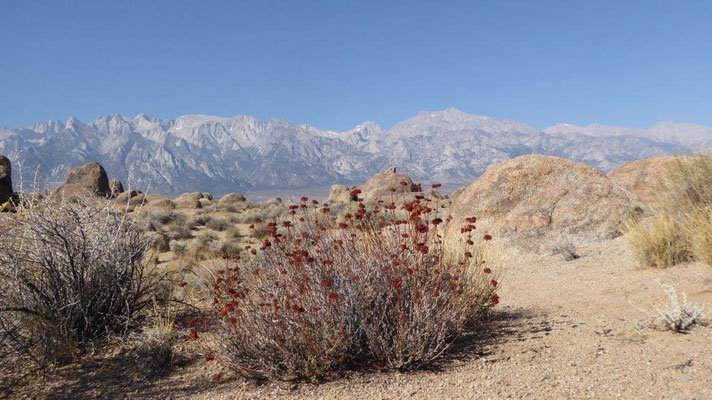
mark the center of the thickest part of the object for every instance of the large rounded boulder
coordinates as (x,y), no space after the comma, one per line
(89,178)
(341,194)
(189,200)
(644,177)
(232,198)
(116,187)
(5,180)
(537,200)
(387,183)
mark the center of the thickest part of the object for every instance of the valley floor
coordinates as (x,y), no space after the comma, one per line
(563,329)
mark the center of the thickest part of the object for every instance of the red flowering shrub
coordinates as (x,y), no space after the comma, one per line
(376,286)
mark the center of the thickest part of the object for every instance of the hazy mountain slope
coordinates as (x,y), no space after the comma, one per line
(198,152)
(678,133)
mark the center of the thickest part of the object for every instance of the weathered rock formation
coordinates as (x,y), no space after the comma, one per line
(89,179)
(644,177)
(232,198)
(534,200)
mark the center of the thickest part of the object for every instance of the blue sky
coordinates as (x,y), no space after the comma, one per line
(335,64)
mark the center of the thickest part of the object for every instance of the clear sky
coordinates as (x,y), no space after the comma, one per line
(334,64)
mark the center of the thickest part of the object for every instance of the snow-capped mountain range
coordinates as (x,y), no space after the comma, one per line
(207,153)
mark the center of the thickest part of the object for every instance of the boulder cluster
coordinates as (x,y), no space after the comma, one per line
(530,200)
(92,180)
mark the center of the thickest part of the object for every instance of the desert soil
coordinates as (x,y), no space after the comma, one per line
(563,329)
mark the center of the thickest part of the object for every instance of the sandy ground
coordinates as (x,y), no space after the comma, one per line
(564,329)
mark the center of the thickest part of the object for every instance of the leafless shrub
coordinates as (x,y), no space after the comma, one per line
(322,292)
(71,272)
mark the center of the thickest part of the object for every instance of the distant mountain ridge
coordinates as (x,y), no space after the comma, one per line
(208,153)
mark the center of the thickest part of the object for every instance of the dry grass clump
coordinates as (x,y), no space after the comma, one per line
(658,241)
(680,226)
(322,293)
(700,233)
(71,273)
(154,348)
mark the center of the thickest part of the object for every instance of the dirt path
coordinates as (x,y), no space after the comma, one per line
(564,329)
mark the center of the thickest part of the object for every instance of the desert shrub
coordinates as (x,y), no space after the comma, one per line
(71,272)
(264,213)
(258,231)
(179,232)
(196,220)
(323,292)
(225,248)
(679,228)
(217,224)
(566,249)
(158,218)
(234,232)
(154,352)
(679,315)
(206,238)
(177,246)
(226,208)
(158,241)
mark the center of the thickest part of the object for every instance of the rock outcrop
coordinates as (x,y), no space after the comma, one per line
(189,200)
(116,187)
(535,200)
(380,186)
(89,178)
(341,194)
(644,177)
(159,201)
(232,198)
(5,180)
(387,183)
